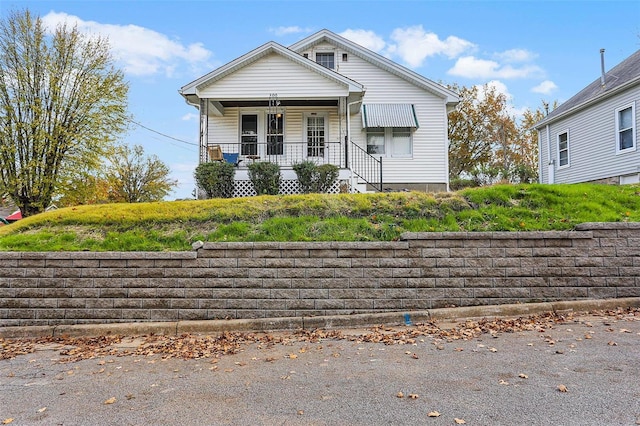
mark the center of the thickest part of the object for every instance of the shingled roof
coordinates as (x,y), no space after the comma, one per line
(626,73)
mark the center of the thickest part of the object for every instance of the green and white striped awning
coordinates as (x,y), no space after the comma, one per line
(389,115)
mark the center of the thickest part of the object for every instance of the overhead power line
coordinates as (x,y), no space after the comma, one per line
(164,135)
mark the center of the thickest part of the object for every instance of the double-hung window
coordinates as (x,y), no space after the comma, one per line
(626,129)
(563,149)
(389,141)
(326,59)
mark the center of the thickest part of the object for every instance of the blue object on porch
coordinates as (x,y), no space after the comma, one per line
(231,158)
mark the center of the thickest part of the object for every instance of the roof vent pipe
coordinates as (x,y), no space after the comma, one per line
(602,67)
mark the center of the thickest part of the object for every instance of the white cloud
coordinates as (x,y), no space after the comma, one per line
(140,50)
(414,45)
(546,87)
(365,38)
(472,67)
(190,117)
(516,55)
(281,31)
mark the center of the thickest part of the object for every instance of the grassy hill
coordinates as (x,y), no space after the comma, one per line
(174,225)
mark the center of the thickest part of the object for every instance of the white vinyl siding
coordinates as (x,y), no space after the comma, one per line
(593,142)
(273,74)
(563,149)
(428,159)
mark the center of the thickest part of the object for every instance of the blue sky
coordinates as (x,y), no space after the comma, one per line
(530,50)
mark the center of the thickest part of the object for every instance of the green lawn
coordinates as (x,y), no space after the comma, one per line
(174,225)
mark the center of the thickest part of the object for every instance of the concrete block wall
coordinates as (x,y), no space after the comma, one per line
(270,280)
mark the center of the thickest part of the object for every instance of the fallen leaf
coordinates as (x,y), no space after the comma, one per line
(587,336)
(612,343)
(300,412)
(293,356)
(523,376)
(502,382)
(459,349)
(413,395)
(433,414)
(400,395)
(130,397)
(459,421)
(624,330)
(563,388)
(493,350)
(42,410)
(7,421)
(414,356)
(110,400)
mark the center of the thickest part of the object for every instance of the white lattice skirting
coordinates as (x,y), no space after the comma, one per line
(244,188)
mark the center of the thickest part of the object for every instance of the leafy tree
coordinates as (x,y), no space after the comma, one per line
(474,128)
(62,102)
(134,178)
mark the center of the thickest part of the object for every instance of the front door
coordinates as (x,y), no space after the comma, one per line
(316,133)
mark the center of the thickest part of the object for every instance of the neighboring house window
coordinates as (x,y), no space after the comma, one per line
(389,141)
(275,134)
(326,59)
(563,149)
(625,129)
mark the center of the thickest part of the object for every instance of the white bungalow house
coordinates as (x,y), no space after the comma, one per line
(592,137)
(328,100)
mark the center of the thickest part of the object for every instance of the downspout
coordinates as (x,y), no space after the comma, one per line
(348,142)
(550,162)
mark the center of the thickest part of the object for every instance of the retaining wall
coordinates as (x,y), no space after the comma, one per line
(269,280)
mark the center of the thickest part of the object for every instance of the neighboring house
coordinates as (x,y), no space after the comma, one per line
(593,137)
(328,100)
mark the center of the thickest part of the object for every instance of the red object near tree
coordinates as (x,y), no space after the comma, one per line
(17,215)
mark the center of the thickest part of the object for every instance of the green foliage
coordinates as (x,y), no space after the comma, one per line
(327,175)
(456,184)
(320,217)
(314,178)
(63,103)
(216,179)
(134,178)
(265,177)
(305,171)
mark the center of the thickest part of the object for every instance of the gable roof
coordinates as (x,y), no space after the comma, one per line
(260,52)
(618,79)
(378,60)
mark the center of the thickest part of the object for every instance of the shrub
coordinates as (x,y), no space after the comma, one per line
(265,178)
(457,184)
(327,175)
(314,178)
(305,172)
(216,179)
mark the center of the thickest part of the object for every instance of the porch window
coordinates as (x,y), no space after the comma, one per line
(625,129)
(249,134)
(315,136)
(275,134)
(326,59)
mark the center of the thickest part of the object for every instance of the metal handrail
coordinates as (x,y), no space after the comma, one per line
(366,166)
(285,154)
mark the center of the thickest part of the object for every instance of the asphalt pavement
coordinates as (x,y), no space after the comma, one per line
(585,371)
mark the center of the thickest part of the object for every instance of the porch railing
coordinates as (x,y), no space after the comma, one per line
(366,166)
(284,154)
